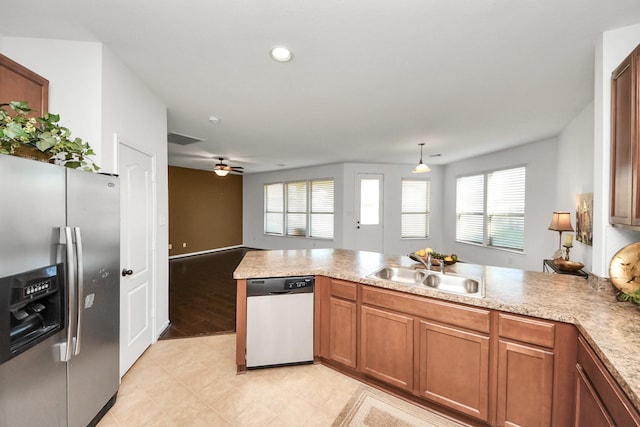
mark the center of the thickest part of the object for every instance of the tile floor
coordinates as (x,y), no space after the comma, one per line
(193,382)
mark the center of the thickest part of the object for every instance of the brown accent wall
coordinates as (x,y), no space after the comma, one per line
(205,210)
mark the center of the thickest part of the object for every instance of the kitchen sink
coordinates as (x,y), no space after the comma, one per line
(450,283)
(454,283)
(408,276)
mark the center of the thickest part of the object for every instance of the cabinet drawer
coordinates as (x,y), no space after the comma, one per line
(344,290)
(616,403)
(452,314)
(526,330)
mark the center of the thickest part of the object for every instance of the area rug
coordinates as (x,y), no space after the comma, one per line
(372,408)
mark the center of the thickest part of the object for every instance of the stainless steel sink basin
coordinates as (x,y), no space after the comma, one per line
(407,276)
(454,283)
(451,283)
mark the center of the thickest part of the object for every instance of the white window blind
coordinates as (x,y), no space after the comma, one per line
(274,208)
(415,208)
(321,217)
(299,209)
(296,208)
(470,209)
(505,208)
(490,208)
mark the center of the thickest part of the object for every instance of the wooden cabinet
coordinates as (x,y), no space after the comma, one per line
(342,327)
(453,367)
(525,379)
(452,342)
(386,345)
(625,133)
(337,320)
(589,408)
(21,84)
(599,400)
(535,359)
(487,366)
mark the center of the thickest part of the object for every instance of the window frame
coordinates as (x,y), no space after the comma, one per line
(286,211)
(487,235)
(427,212)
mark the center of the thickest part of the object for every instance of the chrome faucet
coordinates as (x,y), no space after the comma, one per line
(429,261)
(427,264)
(441,264)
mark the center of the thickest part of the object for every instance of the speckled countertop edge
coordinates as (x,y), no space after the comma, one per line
(612,328)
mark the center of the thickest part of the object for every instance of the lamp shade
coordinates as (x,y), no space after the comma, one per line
(221,172)
(421,168)
(561,221)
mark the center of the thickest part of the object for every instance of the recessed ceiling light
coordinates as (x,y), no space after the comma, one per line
(281,54)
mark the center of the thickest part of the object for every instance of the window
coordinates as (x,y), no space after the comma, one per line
(274,208)
(415,208)
(490,208)
(321,209)
(370,201)
(299,209)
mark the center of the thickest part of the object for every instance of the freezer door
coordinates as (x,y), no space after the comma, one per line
(33,384)
(93,213)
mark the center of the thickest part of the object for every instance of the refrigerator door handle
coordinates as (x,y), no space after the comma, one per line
(80,281)
(71,290)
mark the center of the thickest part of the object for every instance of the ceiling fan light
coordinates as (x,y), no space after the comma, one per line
(221,172)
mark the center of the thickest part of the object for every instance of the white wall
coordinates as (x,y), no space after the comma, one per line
(139,118)
(540,243)
(253,208)
(612,48)
(393,244)
(574,171)
(345,207)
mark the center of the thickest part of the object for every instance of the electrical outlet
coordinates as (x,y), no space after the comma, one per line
(170,246)
(184,245)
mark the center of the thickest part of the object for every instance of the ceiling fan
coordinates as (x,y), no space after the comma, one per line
(222,169)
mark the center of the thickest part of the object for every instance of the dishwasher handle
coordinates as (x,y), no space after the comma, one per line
(280,292)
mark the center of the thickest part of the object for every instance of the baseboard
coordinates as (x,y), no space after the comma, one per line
(208,251)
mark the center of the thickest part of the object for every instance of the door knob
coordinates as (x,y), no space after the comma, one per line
(126,272)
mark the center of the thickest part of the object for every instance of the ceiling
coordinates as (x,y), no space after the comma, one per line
(370,80)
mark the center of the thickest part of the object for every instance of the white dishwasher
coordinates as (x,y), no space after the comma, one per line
(279,321)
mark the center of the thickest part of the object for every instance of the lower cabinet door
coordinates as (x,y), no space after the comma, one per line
(342,329)
(590,410)
(525,385)
(454,368)
(386,343)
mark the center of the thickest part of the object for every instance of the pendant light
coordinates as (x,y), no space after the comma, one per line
(421,167)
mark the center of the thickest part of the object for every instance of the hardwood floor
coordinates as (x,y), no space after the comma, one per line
(202,294)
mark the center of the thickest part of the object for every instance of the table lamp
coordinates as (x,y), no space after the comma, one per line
(561,221)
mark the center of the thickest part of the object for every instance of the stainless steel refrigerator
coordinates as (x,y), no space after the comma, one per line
(59,294)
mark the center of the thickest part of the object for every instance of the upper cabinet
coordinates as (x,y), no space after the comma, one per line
(18,83)
(625,180)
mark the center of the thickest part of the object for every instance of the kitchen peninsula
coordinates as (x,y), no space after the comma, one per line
(546,306)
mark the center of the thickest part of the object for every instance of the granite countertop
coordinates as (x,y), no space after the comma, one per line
(612,328)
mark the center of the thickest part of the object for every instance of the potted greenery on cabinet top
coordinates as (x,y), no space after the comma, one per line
(41,138)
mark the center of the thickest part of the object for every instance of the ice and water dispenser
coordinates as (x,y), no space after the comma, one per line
(31,309)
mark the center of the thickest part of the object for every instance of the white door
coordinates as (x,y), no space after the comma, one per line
(136,255)
(369,212)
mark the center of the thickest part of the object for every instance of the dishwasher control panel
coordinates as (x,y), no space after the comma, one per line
(297,282)
(280,285)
